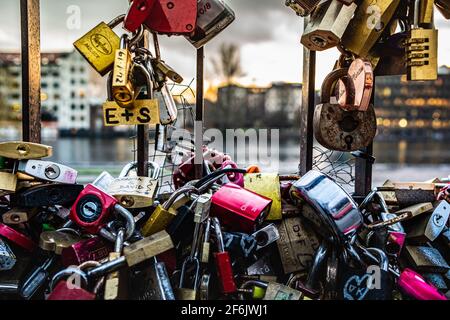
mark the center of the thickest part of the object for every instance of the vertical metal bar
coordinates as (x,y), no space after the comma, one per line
(143,130)
(199,109)
(31,70)
(307,109)
(363,167)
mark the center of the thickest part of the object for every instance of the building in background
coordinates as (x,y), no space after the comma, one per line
(413,109)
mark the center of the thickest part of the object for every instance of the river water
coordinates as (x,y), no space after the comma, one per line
(401,160)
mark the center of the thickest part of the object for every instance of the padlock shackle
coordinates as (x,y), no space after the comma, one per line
(148,77)
(218,232)
(382,258)
(330,82)
(68,272)
(120,239)
(133,165)
(186,262)
(116,21)
(129,219)
(174,196)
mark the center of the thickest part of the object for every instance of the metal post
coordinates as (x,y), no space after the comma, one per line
(307,109)
(143,130)
(31,70)
(199,109)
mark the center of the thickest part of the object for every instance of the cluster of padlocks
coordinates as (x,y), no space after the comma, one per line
(234,234)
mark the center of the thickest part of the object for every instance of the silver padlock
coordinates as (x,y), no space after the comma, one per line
(7,257)
(48,171)
(136,192)
(167,107)
(266,236)
(327,25)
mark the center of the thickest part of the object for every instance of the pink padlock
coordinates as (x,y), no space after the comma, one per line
(415,286)
(233,177)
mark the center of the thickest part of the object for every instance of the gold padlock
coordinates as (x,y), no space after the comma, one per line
(422,45)
(122,87)
(18,215)
(167,71)
(99,45)
(8,183)
(20,150)
(268,185)
(327,25)
(368,23)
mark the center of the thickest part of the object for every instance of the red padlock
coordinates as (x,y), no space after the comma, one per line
(17,238)
(223,262)
(239,209)
(92,249)
(163,16)
(68,291)
(92,209)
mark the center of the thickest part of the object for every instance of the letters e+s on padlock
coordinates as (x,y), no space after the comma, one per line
(144,111)
(239,209)
(99,45)
(135,192)
(338,129)
(213,16)
(327,25)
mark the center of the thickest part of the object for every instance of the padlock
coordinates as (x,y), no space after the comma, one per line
(91,249)
(48,171)
(389,55)
(327,25)
(266,236)
(18,215)
(233,177)
(335,212)
(122,87)
(444,8)
(422,45)
(340,130)
(162,16)
(183,292)
(415,286)
(297,244)
(114,286)
(429,227)
(8,183)
(151,283)
(93,209)
(36,279)
(166,71)
(371,283)
(426,259)
(361,73)
(163,214)
(20,150)
(7,257)
(213,16)
(64,290)
(277,291)
(302,7)
(180,229)
(167,106)
(406,194)
(48,195)
(223,261)
(255,288)
(367,25)
(57,241)
(416,210)
(99,45)
(135,192)
(17,238)
(268,185)
(239,209)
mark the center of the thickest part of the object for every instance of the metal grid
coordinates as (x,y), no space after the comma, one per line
(338,165)
(168,162)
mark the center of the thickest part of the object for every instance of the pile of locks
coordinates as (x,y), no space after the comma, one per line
(234,234)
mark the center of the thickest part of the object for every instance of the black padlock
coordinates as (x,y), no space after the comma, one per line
(371,283)
(48,195)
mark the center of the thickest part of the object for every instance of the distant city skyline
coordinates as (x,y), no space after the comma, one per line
(266,30)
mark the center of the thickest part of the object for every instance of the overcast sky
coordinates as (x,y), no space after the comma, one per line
(266,30)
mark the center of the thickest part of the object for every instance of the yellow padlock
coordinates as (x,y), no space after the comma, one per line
(268,185)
